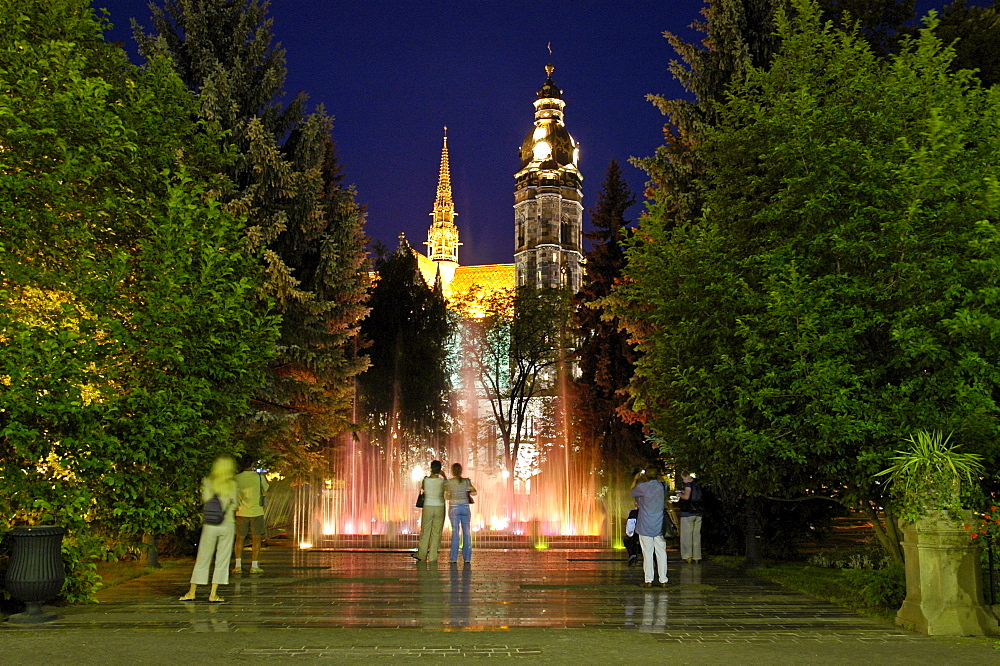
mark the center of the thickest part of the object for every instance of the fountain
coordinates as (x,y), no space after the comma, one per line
(367,498)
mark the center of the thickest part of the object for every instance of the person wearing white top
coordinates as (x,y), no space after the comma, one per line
(432,517)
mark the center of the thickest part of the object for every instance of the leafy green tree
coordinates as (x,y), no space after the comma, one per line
(836,292)
(405,392)
(606,356)
(289,186)
(974,32)
(517,345)
(127,297)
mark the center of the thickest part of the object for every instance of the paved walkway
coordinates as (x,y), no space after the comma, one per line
(563,606)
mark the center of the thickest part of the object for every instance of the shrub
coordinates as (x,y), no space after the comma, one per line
(884,587)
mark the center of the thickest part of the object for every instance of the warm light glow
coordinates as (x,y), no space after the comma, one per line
(303,545)
(542,150)
(416,473)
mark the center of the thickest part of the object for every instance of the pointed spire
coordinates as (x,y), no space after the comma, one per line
(442,237)
(444,207)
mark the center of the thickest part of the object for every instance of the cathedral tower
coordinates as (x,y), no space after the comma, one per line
(548,208)
(442,237)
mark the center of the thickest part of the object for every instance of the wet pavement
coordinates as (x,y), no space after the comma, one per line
(566,606)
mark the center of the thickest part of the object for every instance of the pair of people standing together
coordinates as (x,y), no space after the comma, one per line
(240,500)
(458,491)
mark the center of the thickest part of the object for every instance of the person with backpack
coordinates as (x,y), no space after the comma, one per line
(690,506)
(218,494)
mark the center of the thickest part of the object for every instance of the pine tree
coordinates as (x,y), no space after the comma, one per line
(405,391)
(290,187)
(606,356)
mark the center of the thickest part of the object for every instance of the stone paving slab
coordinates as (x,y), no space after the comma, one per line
(563,606)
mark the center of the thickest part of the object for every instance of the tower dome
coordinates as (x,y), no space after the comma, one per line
(549,145)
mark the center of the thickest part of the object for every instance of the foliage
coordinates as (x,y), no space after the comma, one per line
(405,391)
(289,185)
(129,321)
(927,475)
(837,288)
(606,357)
(974,32)
(877,593)
(518,346)
(987,529)
(884,587)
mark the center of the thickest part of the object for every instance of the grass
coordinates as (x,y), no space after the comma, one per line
(837,586)
(122,571)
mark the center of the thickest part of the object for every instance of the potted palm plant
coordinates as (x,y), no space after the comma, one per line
(944,585)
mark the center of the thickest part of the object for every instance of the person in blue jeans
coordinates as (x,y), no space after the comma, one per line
(460,491)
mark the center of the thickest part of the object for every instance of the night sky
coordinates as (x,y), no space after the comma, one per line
(392,74)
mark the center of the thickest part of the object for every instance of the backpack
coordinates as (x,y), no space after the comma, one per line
(696,499)
(214,513)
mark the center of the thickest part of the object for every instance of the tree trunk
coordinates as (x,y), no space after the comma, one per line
(753,532)
(887,532)
(152,552)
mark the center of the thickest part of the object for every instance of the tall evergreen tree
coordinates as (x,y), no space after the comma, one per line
(606,355)
(406,390)
(289,186)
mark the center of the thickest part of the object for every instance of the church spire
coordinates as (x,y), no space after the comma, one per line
(442,237)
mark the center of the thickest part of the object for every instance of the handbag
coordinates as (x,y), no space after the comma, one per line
(669,531)
(260,484)
(420,501)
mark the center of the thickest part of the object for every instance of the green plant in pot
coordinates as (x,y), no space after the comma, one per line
(944,594)
(928,475)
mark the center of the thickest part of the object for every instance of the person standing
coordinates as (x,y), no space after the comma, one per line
(432,516)
(649,494)
(252,488)
(460,491)
(690,506)
(216,539)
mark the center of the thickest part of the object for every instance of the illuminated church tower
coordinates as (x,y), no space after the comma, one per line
(548,213)
(442,238)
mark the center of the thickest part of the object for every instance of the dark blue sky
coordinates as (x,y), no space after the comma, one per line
(392,73)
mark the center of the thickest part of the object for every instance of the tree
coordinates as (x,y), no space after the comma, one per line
(835,293)
(606,356)
(405,392)
(290,187)
(516,346)
(128,298)
(974,32)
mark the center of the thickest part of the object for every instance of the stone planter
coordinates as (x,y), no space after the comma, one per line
(944,581)
(36,572)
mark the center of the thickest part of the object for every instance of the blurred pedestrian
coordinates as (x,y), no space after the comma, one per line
(252,489)
(216,539)
(460,491)
(650,496)
(432,515)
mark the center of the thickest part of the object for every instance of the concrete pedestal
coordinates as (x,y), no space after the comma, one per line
(944,581)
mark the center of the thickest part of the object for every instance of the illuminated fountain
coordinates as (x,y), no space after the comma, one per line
(368,498)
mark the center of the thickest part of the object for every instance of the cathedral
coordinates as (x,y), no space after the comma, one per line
(548,214)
